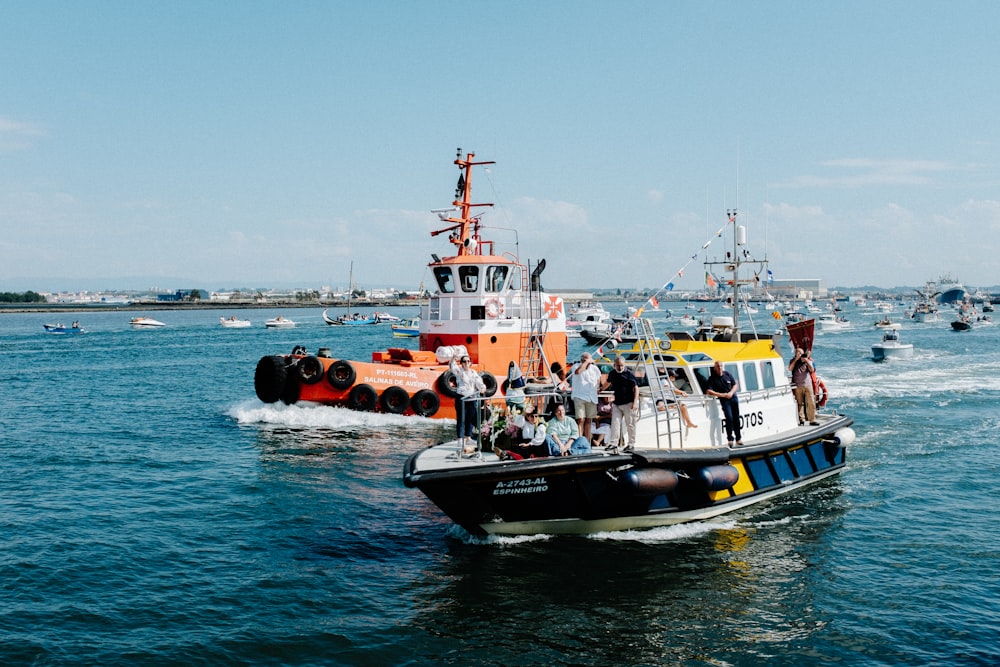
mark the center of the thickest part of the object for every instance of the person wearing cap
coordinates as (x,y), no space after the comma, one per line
(533,443)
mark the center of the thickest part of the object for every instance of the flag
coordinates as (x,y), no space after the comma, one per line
(600,351)
(770,276)
(653,300)
(709,280)
(669,287)
(681,273)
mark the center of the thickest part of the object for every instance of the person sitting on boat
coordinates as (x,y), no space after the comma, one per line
(563,437)
(802,370)
(532,443)
(670,383)
(625,407)
(724,386)
(469,385)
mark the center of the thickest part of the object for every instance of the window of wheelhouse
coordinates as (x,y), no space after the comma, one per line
(445,281)
(496,276)
(768,371)
(468,278)
(750,380)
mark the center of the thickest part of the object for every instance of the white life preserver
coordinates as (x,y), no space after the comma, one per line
(494,309)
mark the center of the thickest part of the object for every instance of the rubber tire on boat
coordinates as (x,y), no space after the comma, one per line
(300,351)
(362,398)
(269,378)
(290,392)
(394,400)
(341,374)
(448,384)
(490,382)
(309,370)
(425,403)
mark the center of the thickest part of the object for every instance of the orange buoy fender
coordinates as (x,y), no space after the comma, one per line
(719,478)
(394,400)
(820,393)
(649,481)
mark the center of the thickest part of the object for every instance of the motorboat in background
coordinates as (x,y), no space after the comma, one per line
(891,347)
(832,322)
(279,322)
(408,328)
(233,322)
(348,320)
(59,328)
(145,323)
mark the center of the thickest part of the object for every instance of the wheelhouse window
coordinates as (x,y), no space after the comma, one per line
(750,380)
(767,370)
(496,277)
(444,278)
(468,278)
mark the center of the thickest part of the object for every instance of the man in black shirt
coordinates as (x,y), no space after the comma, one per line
(724,386)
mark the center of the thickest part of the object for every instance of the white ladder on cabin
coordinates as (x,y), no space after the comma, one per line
(669,422)
(534,363)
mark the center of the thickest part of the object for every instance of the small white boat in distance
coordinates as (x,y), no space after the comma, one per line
(279,322)
(145,323)
(890,347)
(831,322)
(234,323)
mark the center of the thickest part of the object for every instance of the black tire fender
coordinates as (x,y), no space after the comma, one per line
(394,400)
(448,384)
(309,370)
(269,378)
(341,374)
(425,403)
(362,398)
(490,381)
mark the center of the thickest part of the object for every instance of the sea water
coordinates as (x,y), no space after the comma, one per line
(154,512)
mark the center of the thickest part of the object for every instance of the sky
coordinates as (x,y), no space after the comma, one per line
(258,144)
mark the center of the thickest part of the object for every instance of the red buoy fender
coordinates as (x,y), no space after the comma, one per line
(819,391)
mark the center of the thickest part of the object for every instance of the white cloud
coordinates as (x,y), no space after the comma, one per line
(16,135)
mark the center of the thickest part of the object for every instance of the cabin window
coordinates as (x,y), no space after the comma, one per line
(496,277)
(445,281)
(750,379)
(701,374)
(468,276)
(767,370)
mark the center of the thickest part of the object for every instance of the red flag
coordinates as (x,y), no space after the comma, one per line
(653,300)
(709,280)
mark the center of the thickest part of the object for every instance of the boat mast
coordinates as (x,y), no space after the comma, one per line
(465,228)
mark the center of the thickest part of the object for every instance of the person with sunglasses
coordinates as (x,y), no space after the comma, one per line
(469,385)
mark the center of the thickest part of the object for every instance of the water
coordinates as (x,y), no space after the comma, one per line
(153,511)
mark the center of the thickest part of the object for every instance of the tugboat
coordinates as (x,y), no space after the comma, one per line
(676,471)
(487,305)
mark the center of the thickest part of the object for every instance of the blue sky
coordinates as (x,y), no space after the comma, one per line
(227,144)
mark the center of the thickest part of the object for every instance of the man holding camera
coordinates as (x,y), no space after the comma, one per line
(802,371)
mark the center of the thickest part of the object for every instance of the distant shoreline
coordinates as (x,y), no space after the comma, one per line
(193,305)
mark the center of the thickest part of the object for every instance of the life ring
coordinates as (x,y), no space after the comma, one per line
(425,403)
(341,374)
(269,378)
(820,393)
(362,398)
(448,384)
(309,370)
(490,382)
(394,400)
(494,309)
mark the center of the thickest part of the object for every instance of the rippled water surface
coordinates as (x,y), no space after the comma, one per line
(153,511)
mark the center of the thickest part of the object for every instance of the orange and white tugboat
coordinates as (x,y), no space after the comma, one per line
(486,304)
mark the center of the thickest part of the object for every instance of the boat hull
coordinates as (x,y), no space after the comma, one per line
(882,352)
(646,489)
(959,325)
(61,330)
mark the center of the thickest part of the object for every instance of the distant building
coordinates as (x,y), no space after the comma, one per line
(797,288)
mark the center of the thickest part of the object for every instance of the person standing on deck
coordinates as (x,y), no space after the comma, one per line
(586,378)
(626,403)
(802,370)
(724,386)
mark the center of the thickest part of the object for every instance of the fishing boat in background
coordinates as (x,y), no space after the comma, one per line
(486,304)
(675,472)
(950,290)
(408,328)
(234,322)
(349,319)
(145,323)
(890,347)
(61,329)
(926,309)
(279,322)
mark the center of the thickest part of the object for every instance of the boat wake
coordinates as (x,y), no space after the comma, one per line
(307,415)
(657,535)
